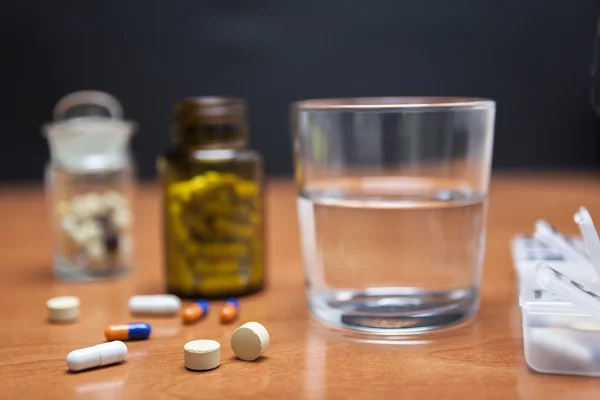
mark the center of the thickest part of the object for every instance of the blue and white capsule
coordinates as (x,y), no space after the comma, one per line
(131,331)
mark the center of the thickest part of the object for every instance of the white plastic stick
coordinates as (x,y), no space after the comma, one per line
(590,237)
(545,233)
(583,297)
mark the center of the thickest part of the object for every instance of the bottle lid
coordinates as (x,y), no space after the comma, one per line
(210,120)
(87,103)
(88,132)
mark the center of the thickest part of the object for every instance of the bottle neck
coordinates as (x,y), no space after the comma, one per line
(205,137)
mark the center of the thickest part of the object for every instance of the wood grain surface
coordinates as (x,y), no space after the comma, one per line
(480,360)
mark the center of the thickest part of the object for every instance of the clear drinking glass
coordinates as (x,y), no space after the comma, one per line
(392,209)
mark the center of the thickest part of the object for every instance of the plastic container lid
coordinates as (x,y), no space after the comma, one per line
(88,132)
(558,292)
(541,301)
(583,297)
(87,103)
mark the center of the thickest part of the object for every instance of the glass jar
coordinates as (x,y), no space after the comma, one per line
(212,201)
(88,183)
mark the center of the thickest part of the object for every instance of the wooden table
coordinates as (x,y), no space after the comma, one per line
(483,359)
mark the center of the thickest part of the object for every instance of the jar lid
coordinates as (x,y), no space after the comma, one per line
(210,110)
(88,132)
(210,120)
(87,103)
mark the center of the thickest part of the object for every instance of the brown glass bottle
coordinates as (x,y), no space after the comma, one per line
(212,201)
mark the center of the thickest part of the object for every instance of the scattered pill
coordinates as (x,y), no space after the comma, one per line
(249,341)
(202,355)
(158,304)
(230,311)
(97,356)
(195,311)
(63,308)
(131,331)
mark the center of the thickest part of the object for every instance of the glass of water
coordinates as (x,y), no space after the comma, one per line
(392,209)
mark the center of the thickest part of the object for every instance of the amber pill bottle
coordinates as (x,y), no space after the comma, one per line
(212,201)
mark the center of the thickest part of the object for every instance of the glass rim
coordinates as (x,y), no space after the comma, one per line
(366,103)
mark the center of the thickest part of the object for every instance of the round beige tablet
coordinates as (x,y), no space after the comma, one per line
(249,341)
(202,355)
(63,308)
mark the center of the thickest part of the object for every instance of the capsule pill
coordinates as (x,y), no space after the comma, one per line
(158,304)
(130,331)
(230,311)
(195,311)
(97,356)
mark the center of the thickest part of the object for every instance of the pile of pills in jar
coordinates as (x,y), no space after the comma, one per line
(96,229)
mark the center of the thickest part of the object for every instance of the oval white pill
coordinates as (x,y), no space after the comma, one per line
(249,341)
(97,356)
(202,355)
(63,308)
(158,304)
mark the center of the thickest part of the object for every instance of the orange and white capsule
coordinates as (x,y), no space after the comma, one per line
(230,311)
(131,331)
(195,311)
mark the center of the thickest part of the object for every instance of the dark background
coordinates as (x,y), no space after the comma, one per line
(532,56)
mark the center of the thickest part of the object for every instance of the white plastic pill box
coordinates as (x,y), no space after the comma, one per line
(559,337)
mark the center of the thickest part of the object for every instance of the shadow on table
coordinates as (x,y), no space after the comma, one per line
(33,274)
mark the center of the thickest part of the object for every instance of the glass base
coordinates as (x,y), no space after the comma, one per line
(393,311)
(67,271)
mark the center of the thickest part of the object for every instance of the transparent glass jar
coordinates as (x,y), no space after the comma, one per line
(89,183)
